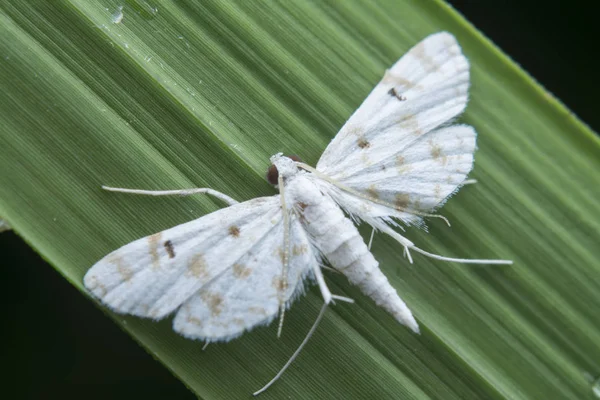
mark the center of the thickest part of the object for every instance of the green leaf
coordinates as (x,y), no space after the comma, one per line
(195,94)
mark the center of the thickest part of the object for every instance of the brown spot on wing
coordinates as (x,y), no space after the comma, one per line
(427,62)
(397,80)
(189,317)
(241,271)
(372,192)
(394,93)
(124,270)
(354,129)
(193,320)
(401,165)
(93,283)
(169,248)
(363,143)
(410,124)
(197,267)
(234,231)
(300,212)
(213,301)
(279,284)
(402,200)
(257,310)
(436,153)
(297,250)
(281,253)
(435,150)
(153,241)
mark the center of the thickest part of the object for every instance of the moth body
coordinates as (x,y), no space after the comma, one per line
(338,240)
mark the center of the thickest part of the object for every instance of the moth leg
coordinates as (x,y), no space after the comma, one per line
(461,260)
(328,298)
(330,269)
(293,357)
(408,245)
(406,254)
(183,192)
(371,239)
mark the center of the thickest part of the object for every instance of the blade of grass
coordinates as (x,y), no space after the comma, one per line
(188,94)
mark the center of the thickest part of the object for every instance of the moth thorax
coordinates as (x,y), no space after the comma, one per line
(273,172)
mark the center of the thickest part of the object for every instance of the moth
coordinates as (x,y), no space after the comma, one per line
(393,163)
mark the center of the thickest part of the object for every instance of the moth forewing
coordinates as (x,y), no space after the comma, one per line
(433,77)
(152,276)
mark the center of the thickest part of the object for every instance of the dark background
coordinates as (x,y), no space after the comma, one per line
(51,356)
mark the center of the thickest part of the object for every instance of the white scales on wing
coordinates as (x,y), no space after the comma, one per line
(395,161)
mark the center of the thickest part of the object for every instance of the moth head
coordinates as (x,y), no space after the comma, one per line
(284,165)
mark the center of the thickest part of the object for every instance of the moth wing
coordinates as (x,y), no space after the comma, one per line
(394,148)
(152,276)
(249,293)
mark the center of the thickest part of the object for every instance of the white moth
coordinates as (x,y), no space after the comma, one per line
(392,163)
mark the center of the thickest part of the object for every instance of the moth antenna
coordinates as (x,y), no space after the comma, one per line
(181,192)
(205,346)
(342,298)
(460,260)
(327,298)
(286,254)
(407,254)
(469,182)
(298,350)
(408,245)
(442,218)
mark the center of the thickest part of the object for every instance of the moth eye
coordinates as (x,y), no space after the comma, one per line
(272,175)
(295,158)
